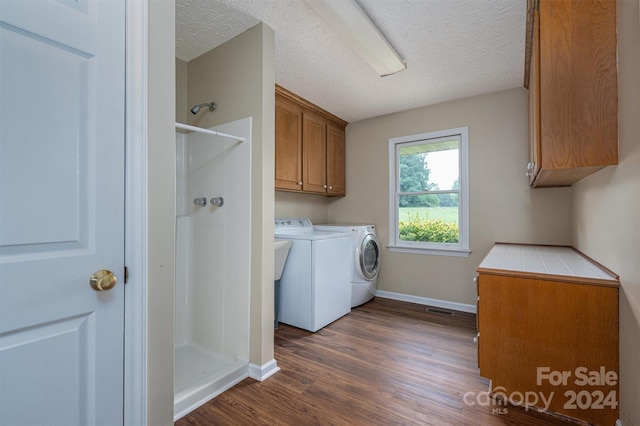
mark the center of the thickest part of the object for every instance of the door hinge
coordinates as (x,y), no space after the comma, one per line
(126,275)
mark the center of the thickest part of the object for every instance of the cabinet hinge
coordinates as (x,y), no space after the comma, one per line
(126,275)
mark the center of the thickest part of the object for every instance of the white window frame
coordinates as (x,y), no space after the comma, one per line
(460,249)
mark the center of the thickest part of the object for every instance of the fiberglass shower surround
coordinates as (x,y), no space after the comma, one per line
(213,249)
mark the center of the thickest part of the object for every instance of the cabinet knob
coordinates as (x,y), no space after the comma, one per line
(475,339)
(330,187)
(530,167)
(300,183)
(324,186)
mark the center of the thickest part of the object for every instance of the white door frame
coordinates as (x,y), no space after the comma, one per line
(135,347)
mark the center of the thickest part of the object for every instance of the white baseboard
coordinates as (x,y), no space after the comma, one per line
(427,301)
(263,372)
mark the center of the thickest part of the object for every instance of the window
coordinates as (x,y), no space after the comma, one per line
(429,193)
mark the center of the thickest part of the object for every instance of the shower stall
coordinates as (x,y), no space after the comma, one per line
(213,249)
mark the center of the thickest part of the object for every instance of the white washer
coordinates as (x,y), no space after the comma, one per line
(365,260)
(315,287)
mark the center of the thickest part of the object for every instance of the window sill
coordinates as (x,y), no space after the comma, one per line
(431,251)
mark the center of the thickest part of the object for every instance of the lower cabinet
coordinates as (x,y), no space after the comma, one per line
(549,339)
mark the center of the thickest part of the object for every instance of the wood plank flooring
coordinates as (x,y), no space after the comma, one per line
(385,363)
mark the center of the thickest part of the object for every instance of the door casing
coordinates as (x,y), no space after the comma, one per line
(136,145)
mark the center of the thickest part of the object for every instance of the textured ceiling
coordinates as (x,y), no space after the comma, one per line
(453,49)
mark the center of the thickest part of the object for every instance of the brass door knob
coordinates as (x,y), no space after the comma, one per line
(103,280)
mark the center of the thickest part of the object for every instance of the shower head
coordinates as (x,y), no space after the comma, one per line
(196,108)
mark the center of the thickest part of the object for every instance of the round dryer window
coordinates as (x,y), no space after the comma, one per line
(369,257)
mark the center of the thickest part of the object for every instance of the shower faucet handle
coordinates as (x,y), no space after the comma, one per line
(200,201)
(217,201)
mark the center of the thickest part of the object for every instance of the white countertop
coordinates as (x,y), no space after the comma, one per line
(551,260)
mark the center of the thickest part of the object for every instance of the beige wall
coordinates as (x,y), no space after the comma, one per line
(181,91)
(161,208)
(502,207)
(291,204)
(606,220)
(239,76)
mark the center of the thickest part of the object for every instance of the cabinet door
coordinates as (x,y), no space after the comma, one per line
(288,147)
(314,153)
(530,323)
(335,160)
(578,89)
(534,103)
(477,340)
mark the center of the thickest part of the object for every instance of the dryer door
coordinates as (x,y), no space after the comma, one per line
(369,257)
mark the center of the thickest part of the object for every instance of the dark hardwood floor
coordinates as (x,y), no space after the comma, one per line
(385,363)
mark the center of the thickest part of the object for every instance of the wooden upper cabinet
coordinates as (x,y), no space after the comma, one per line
(533,168)
(310,147)
(573,89)
(335,160)
(288,149)
(314,153)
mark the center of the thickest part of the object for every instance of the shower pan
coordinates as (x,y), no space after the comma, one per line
(213,249)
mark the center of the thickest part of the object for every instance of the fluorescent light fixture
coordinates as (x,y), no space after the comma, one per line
(347,19)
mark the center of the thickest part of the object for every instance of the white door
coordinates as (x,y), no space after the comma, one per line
(61,211)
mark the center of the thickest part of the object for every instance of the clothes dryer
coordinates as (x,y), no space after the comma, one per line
(365,260)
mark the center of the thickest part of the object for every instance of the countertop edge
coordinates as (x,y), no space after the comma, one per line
(614,281)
